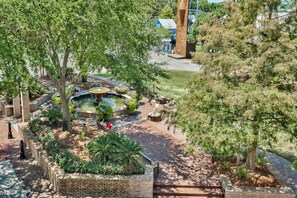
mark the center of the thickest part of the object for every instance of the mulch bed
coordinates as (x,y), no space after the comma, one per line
(73,139)
(261,177)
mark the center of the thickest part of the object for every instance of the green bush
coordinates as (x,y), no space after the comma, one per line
(69,72)
(114,148)
(36,125)
(56,98)
(242,173)
(134,95)
(261,159)
(132,105)
(72,106)
(53,115)
(104,111)
(36,88)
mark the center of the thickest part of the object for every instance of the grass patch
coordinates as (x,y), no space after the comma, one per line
(176,86)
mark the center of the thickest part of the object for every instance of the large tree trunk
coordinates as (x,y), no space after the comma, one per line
(66,112)
(251,157)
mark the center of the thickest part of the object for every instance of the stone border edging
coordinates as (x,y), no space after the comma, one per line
(232,191)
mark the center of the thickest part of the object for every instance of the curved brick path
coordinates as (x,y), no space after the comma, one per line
(176,165)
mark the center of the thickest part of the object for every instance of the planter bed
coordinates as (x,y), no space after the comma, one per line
(232,191)
(88,184)
(34,104)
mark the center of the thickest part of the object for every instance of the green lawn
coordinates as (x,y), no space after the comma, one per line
(176,86)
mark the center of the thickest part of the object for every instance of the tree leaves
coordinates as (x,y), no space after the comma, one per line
(246,92)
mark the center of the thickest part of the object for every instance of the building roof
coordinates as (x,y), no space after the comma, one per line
(167,23)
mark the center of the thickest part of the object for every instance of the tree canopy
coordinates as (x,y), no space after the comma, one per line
(167,13)
(85,35)
(246,91)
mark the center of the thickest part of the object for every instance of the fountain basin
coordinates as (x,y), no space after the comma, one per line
(86,108)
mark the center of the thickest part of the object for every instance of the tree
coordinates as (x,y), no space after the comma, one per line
(246,91)
(158,6)
(167,13)
(210,12)
(86,35)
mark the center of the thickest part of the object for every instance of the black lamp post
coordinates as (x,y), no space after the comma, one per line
(22,153)
(9,131)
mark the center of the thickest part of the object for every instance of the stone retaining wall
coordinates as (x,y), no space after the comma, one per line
(254,192)
(82,185)
(39,101)
(33,104)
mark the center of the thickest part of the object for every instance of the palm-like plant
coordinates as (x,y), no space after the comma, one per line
(114,147)
(100,149)
(127,152)
(53,115)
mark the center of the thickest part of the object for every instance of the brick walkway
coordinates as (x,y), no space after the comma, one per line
(176,165)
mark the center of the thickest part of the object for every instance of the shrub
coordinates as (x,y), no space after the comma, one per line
(134,95)
(36,88)
(104,111)
(114,148)
(53,115)
(132,105)
(69,72)
(56,98)
(242,172)
(261,159)
(72,106)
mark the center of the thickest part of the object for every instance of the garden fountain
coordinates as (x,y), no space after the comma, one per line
(86,101)
(99,92)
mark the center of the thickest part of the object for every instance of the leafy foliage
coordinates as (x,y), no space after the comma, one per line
(261,159)
(53,115)
(134,95)
(167,13)
(115,148)
(104,111)
(246,91)
(132,105)
(56,98)
(242,173)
